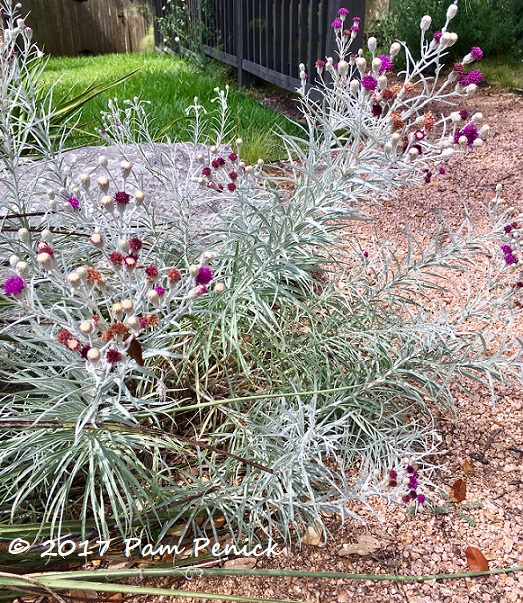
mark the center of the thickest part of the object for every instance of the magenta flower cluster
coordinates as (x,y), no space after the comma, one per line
(469,131)
(477,53)
(472,77)
(412,485)
(337,24)
(204,276)
(14,285)
(508,252)
(369,82)
(386,63)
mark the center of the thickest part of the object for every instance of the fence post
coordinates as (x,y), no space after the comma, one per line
(240,24)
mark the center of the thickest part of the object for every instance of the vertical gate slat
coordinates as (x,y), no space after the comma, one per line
(293,37)
(277,44)
(303,31)
(313,39)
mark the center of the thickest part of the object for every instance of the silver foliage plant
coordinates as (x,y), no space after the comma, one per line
(288,389)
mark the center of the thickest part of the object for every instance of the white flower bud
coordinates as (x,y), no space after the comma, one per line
(126,168)
(425,23)
(382,82)
(134,323)
(455,117)
(239,142)
(206,257)
(103,161)
(354,87)
(470,89)
(484,131)
(388,147)
(47,236)
(24,235)
(51,193)
(127,305)
(74,279)
(193,270)
(96,240)
(52,204)
(372,44)
(86,327)
(476,117)
(376,65)
(446,39)
(13,260)
(196,291)
(468,58)
(103,183)
(85,179)
(394,49)
(452,11)
(477,143)
(153,297)
(260,162)
(361,64)
(343,68)
(219,288)
(413,153)
(139,197)
(123,244)
(453,39)
(302,67)
(82,272)
(117,308)
(249,169)
(93,355)
(214,148)
(396,138)
(108,203)
(22,269)
(462,140)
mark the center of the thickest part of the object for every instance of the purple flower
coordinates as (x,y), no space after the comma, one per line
(508,228)
(14,285)
(472,77)
(206,171)
(393,474)
(477,53)
(204,276)
(356,20)
(355,29)
(73,202)
(160,290)
(437,36)
(343,11)
(442,170)
(421,498)
(510,259)
(463,113)
(386,63)
(369,82)
(506,249)
(366,255)
(337,24)
(320,64)
(376,110)
(469,131)
(84,350)
(428,177)
(122,198)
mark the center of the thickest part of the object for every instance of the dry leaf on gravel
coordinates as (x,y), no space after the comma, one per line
(458,492)
(468,468)
(240,563)
(312,536)
(476,560)
(364,545)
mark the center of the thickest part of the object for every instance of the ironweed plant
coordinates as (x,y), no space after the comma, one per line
(143,393)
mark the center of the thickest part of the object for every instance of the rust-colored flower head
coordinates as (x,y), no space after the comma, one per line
(428,121)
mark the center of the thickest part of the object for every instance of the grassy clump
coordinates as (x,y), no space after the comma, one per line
(171,85)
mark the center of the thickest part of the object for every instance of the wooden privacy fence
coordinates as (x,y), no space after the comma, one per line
(268,38)
(75,27)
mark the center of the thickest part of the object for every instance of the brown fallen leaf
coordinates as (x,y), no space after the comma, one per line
(476,560)
(468,468)
(135,351)
(458,492)
(312,536)
(364,545)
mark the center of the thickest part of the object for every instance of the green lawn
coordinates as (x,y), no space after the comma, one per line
(503,73)
(171,84)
